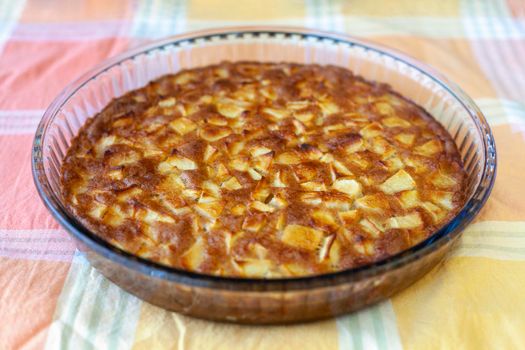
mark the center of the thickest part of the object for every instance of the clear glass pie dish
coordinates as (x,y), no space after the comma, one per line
(262,301)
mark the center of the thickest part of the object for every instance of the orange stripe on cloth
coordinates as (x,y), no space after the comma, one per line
(506,201)
(29,292)
(452,57)
(20,204)
(517,8)
(72,11)
(33,73)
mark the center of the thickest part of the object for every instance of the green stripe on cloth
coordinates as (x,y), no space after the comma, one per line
(10,12)
(502,111)
(7,7)
(79,316)
(121,318)
(324,14)
(372,328)
(92,312)
(157,18)
(126,315)
(493,239)
(97,309)
(69,300)
(349,333)
(379,328)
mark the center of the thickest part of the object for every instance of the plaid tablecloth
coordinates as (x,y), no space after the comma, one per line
(51,298)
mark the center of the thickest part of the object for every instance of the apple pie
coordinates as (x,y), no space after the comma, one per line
(263,170)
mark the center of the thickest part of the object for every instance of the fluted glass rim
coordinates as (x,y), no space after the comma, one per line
(449,231)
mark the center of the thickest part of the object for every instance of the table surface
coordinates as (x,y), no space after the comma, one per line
(50,297)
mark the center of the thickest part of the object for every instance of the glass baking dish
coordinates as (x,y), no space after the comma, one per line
(264,300)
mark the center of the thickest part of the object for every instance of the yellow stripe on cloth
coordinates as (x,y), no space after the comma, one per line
(475,299)
(160,329)
(443,8)
(249,10)
(467,303)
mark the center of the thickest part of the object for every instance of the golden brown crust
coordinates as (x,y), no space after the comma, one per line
(263,170)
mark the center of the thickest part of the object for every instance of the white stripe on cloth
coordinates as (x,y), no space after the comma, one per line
(16,122)
(50,245)
(500,60)
(72,31)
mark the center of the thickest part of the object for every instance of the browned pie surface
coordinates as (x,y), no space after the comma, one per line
(263,170)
